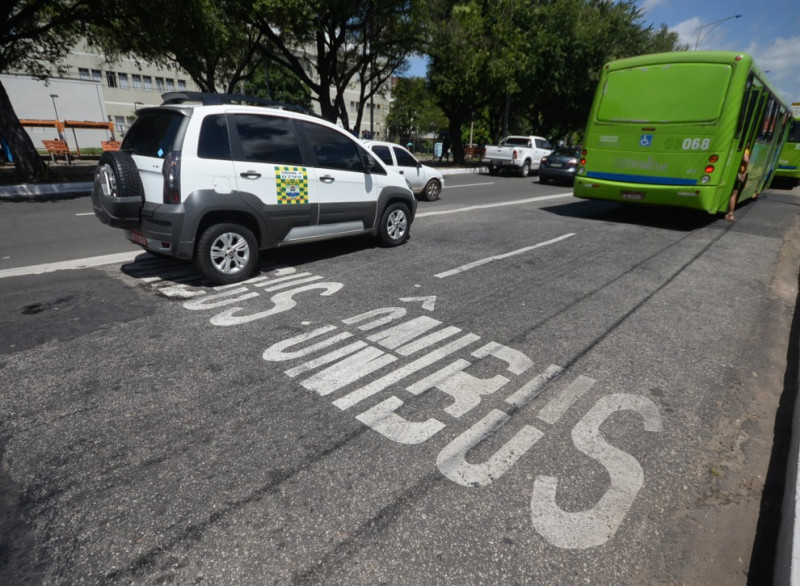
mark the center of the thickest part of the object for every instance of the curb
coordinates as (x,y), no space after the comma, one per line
(35,190)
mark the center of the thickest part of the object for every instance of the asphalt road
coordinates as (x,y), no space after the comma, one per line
(534,389)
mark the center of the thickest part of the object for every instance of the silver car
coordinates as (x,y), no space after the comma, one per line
(426,182)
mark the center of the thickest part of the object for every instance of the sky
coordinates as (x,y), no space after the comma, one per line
(769,30)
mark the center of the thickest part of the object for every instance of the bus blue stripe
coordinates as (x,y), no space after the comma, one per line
(641,179)
(788,167)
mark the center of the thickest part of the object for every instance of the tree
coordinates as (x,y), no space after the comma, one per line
(281,86)
(414,109)
(210,39)
(35,35)
(333,44)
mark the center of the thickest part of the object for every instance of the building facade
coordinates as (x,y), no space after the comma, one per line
(99,90)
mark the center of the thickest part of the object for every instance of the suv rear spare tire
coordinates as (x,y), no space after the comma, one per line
(117,192)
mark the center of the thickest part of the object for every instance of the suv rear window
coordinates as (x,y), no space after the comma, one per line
(153,133)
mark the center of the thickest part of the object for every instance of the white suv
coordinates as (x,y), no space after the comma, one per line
(210,178)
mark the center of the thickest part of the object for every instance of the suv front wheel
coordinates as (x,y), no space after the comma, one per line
(226,253)
(394,227)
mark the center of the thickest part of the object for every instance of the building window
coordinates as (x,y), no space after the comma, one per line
(111,79)
(160,84)
(148,83)
(120,124)
(137,81)
(181,85)
(97,75)
(84,74)
(170,85)
(123,80)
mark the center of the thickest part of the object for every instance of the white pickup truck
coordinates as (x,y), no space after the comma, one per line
(522,153)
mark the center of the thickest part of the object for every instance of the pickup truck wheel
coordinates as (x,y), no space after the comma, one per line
(394,226)
(526,169)
(432,190)
(226,253)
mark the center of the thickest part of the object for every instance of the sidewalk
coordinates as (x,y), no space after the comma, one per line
(83,187)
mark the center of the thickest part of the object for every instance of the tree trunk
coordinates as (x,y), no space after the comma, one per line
(27,162)
(455,140)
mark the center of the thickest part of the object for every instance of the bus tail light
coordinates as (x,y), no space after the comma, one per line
(582,168)
(709,169)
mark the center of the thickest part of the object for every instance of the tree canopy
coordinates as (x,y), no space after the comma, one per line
(509,66)
(34,37)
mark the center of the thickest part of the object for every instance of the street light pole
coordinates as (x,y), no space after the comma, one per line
(53,97)
(713,25)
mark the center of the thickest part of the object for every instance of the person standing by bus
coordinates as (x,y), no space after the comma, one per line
(738,186)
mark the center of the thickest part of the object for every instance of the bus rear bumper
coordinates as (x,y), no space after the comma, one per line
(696,197)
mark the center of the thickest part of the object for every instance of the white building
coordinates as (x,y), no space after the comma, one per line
(98,90)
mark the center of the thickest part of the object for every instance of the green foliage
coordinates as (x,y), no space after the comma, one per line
(279,85)
(210,39)
(414,110)
(530,67)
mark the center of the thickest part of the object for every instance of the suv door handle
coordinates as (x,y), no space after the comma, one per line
(327,179)
(250,175)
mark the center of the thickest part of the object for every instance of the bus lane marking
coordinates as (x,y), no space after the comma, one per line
(483,261)
(388,356)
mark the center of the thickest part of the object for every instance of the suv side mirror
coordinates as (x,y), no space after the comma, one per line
(368,162)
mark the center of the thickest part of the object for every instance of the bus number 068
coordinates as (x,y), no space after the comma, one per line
(695,144)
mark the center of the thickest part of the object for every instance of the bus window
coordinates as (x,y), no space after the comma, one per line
(767,126)
(747,107)
(794,131)
(757,97)
(647,94)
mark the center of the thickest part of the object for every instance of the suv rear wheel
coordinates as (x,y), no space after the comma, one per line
(394,226)
(226,253)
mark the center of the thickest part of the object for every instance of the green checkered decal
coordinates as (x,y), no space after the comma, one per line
(292,184)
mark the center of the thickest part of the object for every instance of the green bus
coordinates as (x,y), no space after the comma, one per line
(671,129)
(788,171)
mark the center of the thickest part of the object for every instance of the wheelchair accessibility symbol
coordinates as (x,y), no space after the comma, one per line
(646,140)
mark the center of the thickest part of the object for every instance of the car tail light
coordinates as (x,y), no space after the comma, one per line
(514,154)
(172,175)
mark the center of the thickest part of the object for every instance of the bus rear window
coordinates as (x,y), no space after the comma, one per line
(682,92)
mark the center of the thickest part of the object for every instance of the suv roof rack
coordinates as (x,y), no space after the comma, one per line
(209,99)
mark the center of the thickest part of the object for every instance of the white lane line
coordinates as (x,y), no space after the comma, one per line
(97,261)
(85,214)
(494,205)
(83,263)
(469,185)
(483,261)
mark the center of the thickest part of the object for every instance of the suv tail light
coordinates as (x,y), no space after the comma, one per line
(172,181)
(514,155)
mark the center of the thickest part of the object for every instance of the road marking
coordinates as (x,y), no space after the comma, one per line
(483,261)
(82,263)
(494,205)
(469,185)
(85,214)
(96,261)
